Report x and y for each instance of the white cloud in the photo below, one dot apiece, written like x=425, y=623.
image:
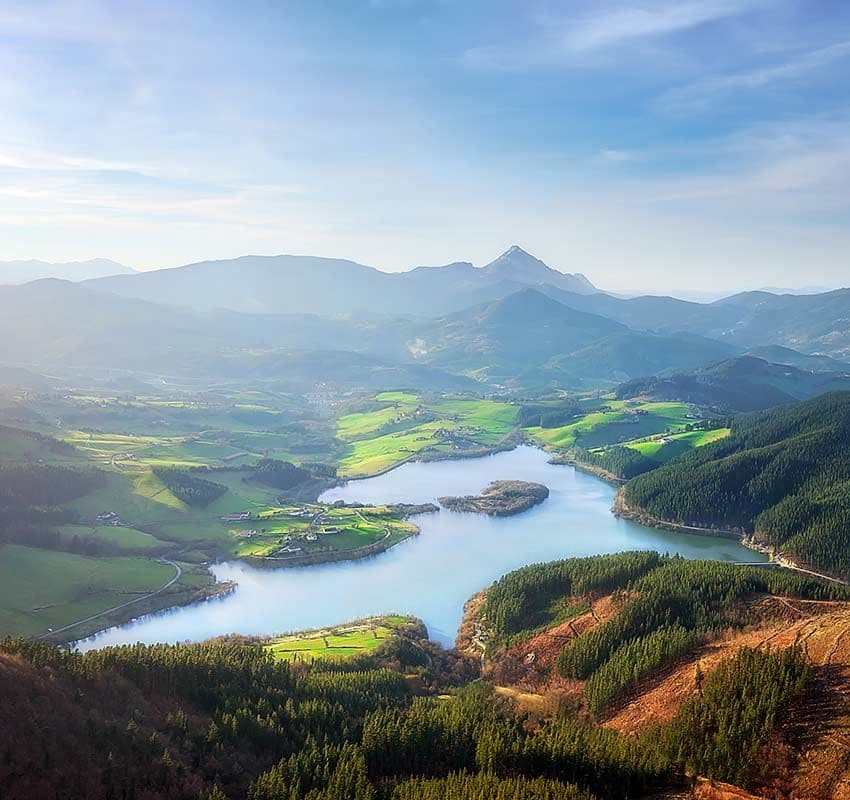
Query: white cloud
x=611, y=27
x=42, y=161
x=702, y=91
x=588, y=37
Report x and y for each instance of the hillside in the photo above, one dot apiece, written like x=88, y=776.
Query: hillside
x=812, y=324
x=782, y=476
x=532, y=340
x=578, y=718
x=308, y=284
x=745, y=383
x=681, y=653
x=524, y=339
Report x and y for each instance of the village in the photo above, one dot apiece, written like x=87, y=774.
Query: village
x=294, y=530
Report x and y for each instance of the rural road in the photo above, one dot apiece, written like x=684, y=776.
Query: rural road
x=177, y=574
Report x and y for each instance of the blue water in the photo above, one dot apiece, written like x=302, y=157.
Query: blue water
x=433, y=574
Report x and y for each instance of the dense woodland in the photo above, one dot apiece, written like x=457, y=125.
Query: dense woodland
x=224, y=720
x=782, y=474
x=31, y=500
x=547, y=415
x=665, y=605
x=188, y=486
x=279, y=474
x=622, y=462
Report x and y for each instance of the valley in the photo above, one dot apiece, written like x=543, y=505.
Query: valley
x=526, y=523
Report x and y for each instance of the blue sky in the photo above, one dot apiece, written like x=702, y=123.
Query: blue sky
x=689, y=144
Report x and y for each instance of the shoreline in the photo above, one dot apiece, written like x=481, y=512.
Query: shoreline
x=431, y=457
x=622, y=510
x=314, y=559
x=589, y=469
x=215, y=591
x=619, y=510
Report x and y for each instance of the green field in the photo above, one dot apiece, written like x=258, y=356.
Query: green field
x=664, y=448
x=118, y=536
x=284, y=532
x=342, y=641
x=42, y=589
x=409, y=427
x=617, y=421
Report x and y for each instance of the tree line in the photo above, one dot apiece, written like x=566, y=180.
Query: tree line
x=782, y=475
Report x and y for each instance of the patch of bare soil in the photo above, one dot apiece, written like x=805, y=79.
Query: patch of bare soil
x=781, y=623
x=809, y=758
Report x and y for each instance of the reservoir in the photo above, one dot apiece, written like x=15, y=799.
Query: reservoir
x=433, y=574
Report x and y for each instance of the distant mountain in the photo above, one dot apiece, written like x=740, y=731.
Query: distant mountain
x=25, y=271
x=785, y=355
x=529, y=339
x=331, y=287
x=813, y=324
x=518, y=266
x=526, y=339
x=745, y=383
x=70, y=326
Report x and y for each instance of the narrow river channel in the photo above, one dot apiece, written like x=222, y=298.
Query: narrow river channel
x=433, y=574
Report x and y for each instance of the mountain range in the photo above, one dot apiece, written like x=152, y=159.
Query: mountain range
x=513, y=323
x=289, y=284
x=744, y=383
x=32, y=270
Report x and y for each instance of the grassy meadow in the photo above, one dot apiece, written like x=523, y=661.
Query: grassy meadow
x=339, y=642
x=405, y=426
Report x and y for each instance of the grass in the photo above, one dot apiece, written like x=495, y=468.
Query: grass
x=619, y=421
x=336, y=529
x=42, y=589
x=663, y=449
x=371, y=456
x=342, y=641
x=119, y=536
x=382, y=438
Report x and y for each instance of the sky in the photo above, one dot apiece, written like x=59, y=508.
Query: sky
x=658, y=144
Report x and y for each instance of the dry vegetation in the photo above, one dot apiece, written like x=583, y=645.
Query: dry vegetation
x=809, y=756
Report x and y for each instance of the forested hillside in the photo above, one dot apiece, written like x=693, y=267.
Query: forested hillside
x=782, y=475
x=745, y=383
x=225, y=720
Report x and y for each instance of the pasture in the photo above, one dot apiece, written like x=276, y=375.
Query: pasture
x=615, y=422
x=43, y=589
x=342, y=641
x=409, y=426
x=664, y=448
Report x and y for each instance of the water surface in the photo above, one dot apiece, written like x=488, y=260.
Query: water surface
x=433, y=574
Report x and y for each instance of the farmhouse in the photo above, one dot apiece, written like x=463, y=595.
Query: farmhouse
x=237, y=517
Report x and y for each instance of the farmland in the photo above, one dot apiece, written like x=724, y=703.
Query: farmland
x=293, y=532
x=663, y=448
x=341, y=641
x=610, y=421
x=41, y=590
x=401, y=426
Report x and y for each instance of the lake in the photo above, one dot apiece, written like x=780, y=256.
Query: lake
x=433, y=574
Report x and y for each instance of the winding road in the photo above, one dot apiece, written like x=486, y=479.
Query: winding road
x=178, y=572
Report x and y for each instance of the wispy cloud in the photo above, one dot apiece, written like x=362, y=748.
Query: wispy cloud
x=41, y=161
x=611, y=27
x=703, y=91
x=572, y=36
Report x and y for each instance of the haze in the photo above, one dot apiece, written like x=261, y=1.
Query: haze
x=699, y=145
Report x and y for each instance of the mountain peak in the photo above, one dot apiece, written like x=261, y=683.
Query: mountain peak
x=516, y=264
